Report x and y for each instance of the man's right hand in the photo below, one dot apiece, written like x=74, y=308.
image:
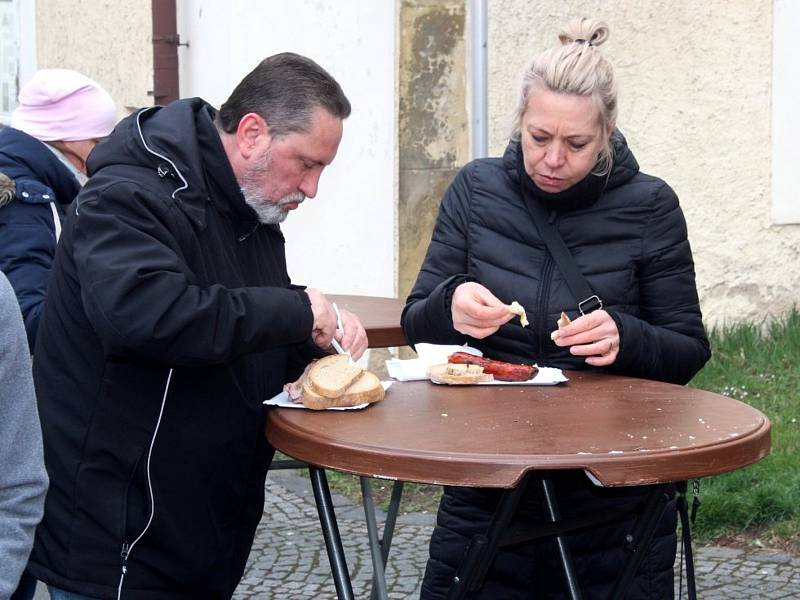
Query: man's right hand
x=324, y=318
x=476, y=311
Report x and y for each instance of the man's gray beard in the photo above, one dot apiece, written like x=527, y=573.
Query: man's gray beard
x=267, y=210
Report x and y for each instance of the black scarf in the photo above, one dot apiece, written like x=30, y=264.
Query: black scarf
x=581, y=195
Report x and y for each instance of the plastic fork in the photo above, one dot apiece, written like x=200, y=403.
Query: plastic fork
x=339, y=327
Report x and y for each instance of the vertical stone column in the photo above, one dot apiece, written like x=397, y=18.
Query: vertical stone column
x=433, y=123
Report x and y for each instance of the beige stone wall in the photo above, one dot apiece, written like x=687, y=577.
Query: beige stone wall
x=695, y=93
x=433, y=137
x=108, y=41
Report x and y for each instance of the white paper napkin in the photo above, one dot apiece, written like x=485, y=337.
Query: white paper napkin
x=416, y=369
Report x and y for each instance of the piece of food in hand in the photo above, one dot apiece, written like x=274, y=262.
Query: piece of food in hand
x=459, y=374
x=517, y=309
x=563, y=321
x=501, y=371
x=333, y=382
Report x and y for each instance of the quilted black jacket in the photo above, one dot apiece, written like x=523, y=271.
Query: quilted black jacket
x=631, y=245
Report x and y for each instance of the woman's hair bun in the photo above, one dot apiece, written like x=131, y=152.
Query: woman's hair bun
x=584, y=30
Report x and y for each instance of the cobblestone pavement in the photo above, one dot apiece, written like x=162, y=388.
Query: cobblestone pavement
x=288, y=560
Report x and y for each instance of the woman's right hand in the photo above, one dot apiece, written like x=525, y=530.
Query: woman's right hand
x=476, y=311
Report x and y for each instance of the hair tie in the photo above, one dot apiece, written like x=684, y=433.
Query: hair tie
x=583, y=41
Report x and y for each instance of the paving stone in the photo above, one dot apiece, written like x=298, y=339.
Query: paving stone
x=289, y=561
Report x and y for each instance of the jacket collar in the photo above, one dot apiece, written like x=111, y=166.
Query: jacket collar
x=25, y=159
x=623, y=169
x=176, y=141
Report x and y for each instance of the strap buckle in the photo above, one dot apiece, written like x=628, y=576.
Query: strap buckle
x=596, y=298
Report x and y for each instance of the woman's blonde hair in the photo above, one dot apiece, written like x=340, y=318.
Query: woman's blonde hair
x=576, y=67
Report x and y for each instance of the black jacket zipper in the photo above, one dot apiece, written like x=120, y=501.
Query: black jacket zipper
x=543, y=303
x=544, y=297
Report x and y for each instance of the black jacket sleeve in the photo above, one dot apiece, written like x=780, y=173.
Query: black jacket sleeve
x=144, y=301
x=427, y=316
x=667, y=341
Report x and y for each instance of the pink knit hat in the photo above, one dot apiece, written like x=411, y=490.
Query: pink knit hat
x=63, y=105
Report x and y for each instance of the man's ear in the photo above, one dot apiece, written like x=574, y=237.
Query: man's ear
x=252, y=134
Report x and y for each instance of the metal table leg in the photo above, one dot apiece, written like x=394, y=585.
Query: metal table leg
x=563, y=550
x=482, y=548
x=391, y=519
x=330, y=531
x=388, y=531
x=378, y=564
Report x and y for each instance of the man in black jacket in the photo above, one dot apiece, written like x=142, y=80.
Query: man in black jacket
x=170, y=319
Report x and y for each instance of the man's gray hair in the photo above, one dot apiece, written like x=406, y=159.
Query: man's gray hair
x=285, y=90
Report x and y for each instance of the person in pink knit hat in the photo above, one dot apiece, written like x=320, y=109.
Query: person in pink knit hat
x=61, y=116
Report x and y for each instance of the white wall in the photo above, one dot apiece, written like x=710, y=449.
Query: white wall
x=17, y=52
x=696, y=105
x=342, y=241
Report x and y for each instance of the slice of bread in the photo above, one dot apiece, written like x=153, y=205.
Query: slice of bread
x=331, y=375
x=449, y=373
x=366, y=389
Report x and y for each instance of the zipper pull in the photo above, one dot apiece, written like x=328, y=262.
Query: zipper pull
x=551, y=218
x=126, y=549
x=243, y=237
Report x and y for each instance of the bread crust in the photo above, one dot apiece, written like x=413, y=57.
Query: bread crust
x=331, y=375
x=367, y=389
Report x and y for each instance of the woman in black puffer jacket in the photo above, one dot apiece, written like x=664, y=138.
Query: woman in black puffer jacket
x=628, y=237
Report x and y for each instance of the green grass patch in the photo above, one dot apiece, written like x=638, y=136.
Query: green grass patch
x=416, y=497
x=758, y=365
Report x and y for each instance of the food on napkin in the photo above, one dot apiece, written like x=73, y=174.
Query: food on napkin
x=563, y=321
x=498, y=369
x=416, y=369
x=517, y=309
x=333, y=381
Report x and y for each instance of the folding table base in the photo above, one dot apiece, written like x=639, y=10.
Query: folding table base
x=482, y=549
x=333, y=541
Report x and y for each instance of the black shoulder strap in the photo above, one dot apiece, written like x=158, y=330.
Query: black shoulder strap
x=681, y=503
x=586, y=298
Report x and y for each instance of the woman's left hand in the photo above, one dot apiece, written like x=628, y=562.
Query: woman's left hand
x=594, y=336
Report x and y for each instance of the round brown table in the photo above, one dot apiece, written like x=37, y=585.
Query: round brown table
x=619, y=430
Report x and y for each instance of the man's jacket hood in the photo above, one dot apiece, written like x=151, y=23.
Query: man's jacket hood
x=162, y=138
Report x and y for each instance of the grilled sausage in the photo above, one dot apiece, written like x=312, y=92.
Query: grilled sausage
x=502, y=371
